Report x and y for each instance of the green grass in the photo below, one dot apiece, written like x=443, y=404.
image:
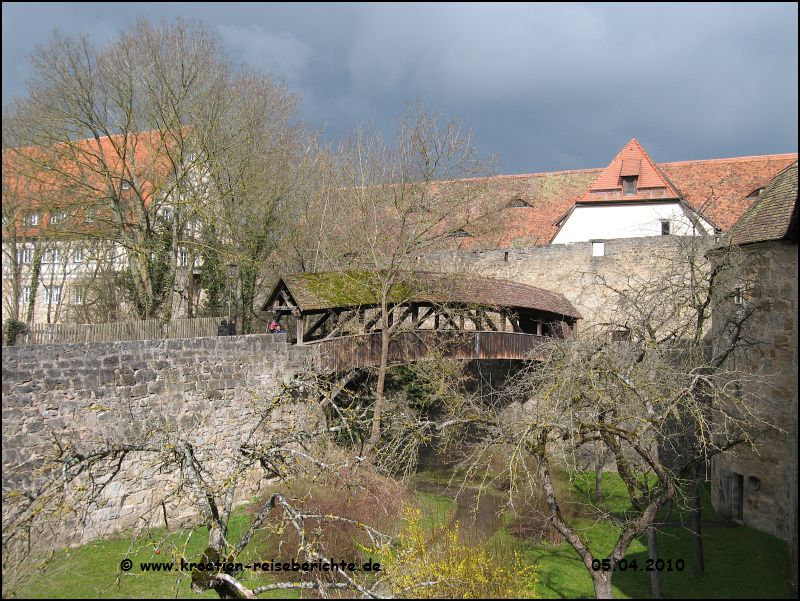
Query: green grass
x=740, y=562
x=92, y=571
x=436, y=510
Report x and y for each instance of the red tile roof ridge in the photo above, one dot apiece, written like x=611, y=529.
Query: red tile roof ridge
x=742, y=159
x=776, y=157
x=513, y=175
x=544, y=173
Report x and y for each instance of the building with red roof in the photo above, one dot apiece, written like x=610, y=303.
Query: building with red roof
x=633, y=196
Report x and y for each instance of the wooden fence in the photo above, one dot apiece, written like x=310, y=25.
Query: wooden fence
x=147, y=329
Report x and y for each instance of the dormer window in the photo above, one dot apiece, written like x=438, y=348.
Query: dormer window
x=629, y=183
x=126, y=185
x=460, y=233
x=755, y=193
x=518, y=203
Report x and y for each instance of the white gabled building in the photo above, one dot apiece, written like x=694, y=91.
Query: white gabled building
x=630, y=198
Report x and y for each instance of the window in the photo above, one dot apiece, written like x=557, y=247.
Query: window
x=629, y=183
x=665, y=227
x=25, y=255
x=459, y=234
x=31, y=219
x=77, y=255
x=755, y=193
x=88, y=216
x=126, y=185
x=78, y=294
x=193, y=227
x=738, y=296
x=183, y=257
x=598, y=249
x=167, y=213
x=52, y=256
x=52, y=295
x=25, y=297
x=58, y=218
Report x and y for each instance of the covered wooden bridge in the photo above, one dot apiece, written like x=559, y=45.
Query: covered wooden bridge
x=461, y=316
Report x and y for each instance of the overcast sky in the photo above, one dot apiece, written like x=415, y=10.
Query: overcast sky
x=545, y=87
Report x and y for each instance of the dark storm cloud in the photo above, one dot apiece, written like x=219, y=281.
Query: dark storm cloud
x=545, y=86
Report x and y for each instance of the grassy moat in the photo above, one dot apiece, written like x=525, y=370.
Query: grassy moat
x=739, y=562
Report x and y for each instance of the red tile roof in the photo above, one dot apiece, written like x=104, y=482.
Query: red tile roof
x=66, y=176
x=549, y=196
x=718, y=189
x=631, y=160
x=773, y=216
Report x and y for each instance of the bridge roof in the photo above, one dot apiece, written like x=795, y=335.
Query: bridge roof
x=328, y=290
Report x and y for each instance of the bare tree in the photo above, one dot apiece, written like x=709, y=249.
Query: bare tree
x=278, y=439
x=259, y=165
x=383, y=206
x=652, y=388
x=158, y=137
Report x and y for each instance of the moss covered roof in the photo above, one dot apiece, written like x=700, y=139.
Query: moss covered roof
x=328, y=290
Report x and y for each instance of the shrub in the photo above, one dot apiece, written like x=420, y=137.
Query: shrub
x=437, y=566
x=13, y=329
x=360, y=495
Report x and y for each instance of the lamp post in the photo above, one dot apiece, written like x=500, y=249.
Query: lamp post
x=231, y=274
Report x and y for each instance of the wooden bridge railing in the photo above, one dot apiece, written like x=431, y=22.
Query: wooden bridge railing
x=350, y=352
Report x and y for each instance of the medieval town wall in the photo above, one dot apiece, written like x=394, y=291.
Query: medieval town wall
x=573, y=270
x=208, y=391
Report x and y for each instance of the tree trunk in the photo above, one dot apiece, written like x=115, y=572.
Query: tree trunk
x=598, y=475
x=655, y=575
x=36, y=269
x=376, y=417
x=602, y=585
x=668, y=511
x=698, y=565
x=600, y=579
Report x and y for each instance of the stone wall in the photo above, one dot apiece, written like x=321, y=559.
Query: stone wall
x=766, y=478
x=208, y=391
x=570, y=269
